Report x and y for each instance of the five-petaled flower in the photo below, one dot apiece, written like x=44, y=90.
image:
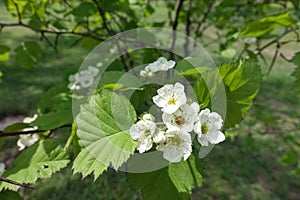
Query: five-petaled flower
x=208, y=128
x=170, y=97
x=177, y=146
x=142, y=132
x=161, y=64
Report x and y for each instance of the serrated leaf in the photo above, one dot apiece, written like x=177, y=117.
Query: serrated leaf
x=28, y=54
x=241, y=82
x=40, y=160
x=267, y=24
x=4, y=53
x=102, y=127
x=174, y=182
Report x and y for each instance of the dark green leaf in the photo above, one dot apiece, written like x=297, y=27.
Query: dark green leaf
x=85, y=9
x=9, y=195
x=16, y=127
x=170, y=183
x=28, y=54
x=53, y=120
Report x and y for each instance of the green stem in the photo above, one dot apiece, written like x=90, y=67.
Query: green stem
x=73, y=132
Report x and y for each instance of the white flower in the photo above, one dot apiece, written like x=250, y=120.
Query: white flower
x=142, y=132
x=159, y=137
x=29, y=120
x=184, y=118
x=74, y=82
x=161, y=64
x=250, y=40
x=208, y=128
x=26, y=140
x=83, y=79
x=177, y=146
x=93, y=70
x=2, y=167
x=170, y=97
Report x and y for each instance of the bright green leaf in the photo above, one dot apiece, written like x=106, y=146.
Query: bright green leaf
x=267, y=24
x=103, y=129
x=4, y=53
x=40, y=160
x=28, y=54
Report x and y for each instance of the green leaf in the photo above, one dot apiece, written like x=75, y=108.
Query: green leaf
x=228, y=53
x=28, y=54
x=296, y=73
x=56, y=97
x=16, y=127
x=267, y=24
x=40, y=160
x=85, y=9
x=241, y=82
x=9, y=195
x=170, y=183
x=291, y=158
x=53, y=120
x=1, y=74
x=103, y=129
x=4, y=53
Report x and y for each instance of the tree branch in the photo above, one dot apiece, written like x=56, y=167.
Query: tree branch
x=15, y=183
x=175, y=24
x=110, y=32
x=20, y=24
x=187, y=28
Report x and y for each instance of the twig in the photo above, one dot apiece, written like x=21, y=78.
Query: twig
x=274, y=58
x=2, y=25
x=275, y=40
x=200, y=27
x=7, y=134
x=187, y=28
x=174, y=25
x=15, y=183
x=110, y=31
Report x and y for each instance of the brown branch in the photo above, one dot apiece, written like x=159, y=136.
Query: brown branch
x=274, y=41
x=15, y=183
x=2, y=25
x=187, y=28
x=274, y=58
x=175, y=24
x=7, y=134
x=200, y=27
x=110, y=32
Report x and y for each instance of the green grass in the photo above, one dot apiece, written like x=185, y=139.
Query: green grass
x=246, y=166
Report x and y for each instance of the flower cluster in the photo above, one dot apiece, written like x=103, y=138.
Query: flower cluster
x=173, y=136
x=27, y=140
x=83, y=79
x=161, y=64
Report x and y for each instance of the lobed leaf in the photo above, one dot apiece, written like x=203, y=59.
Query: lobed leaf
x=103, y=129
x=40, y=160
